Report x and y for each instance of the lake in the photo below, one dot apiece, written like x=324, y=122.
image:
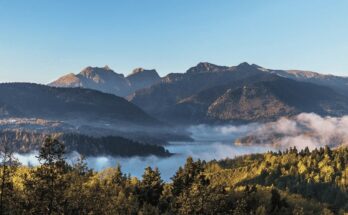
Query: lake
x=210, y=142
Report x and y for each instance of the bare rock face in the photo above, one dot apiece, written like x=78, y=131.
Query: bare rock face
x=106, y=80
x=142, y=78
x=98, y=78
x=206, y=67
x=69, y=80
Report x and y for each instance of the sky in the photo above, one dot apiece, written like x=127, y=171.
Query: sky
x=41, y=40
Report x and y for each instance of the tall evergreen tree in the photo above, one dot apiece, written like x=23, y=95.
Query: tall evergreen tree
x=47, y=183
x=8, y=167
x=151, y=186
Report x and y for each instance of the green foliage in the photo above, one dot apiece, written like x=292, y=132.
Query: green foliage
x=151, y=187
x=23, y=141
x=320, y=175
x=8, y=167
x=290, y=182
x=184, y=177
x=46, y=185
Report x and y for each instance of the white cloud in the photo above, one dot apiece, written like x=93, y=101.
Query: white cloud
x=305, y=129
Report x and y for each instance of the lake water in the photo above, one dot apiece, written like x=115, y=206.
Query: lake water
x=210, y=143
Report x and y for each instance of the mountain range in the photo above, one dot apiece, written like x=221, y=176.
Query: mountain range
x=205, y=93
x=147, y=109
x=36, y=108
x=338, y=83
x=106, y=80
x=209, y=93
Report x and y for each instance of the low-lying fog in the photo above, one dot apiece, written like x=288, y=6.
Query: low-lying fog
x=210, y=143
x=217, y=142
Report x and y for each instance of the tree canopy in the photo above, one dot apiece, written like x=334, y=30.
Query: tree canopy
x=289, y=182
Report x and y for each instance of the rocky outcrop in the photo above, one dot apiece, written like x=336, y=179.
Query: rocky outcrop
x=106, y=80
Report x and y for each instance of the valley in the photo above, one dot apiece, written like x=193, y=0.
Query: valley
x=209, y=143
x=179, y=107
x=233, y=127
x=145, y=113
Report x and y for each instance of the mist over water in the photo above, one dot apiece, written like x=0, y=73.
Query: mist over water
x=304, y=130
x=217, y=142
x=211, y=142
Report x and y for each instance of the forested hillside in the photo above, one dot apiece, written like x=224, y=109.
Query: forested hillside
x=27, y=100
x=209, y=93
x=289, y=182
x=26, y=142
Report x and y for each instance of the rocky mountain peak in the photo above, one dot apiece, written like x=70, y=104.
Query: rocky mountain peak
x=106, y=67
x=137, y=70
x=141, y=72
x=245, y=65
x=205, y=67
x=96, y=70
x=106, y=80
x=142, y=78
x=100, y=73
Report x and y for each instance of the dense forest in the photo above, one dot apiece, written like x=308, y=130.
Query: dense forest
x=288, y=182
x=27, y=141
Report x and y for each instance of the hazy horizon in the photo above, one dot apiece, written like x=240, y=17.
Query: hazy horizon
x=159, y=72
x=52, y=38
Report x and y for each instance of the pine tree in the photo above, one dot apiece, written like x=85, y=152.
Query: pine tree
x=118, y=177
x=76, y=191
x=184, y=177
x=47, y=183
x=151, y=186
x=8, y=168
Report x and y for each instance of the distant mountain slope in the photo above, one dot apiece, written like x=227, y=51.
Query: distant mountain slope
x=274, y=98
x=209, y=92
x=106, y=80
x=340, y=84
x=39, y=101
x=141, y=78
x=177, y=86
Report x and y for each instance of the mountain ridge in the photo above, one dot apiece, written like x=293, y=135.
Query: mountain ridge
x=191, y=96
x=107, y=80
x=136, y=80
x=41, y=101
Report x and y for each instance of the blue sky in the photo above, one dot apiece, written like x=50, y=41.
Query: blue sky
x=41, y=40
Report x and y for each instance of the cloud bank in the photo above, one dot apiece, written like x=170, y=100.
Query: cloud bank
x=304, y=130
x=216, y=142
